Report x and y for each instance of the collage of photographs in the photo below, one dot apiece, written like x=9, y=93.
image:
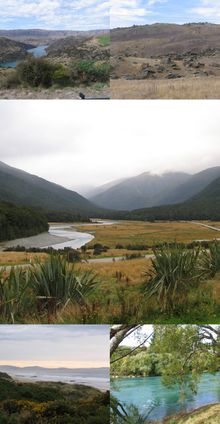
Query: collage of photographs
x=109, y=212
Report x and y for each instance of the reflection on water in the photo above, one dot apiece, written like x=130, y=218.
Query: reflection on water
x=143, y=392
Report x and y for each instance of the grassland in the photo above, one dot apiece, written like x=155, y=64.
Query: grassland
x=104, y=40
x=118, y=295
x=208, y=414
x=190, y=88
x=147, y=233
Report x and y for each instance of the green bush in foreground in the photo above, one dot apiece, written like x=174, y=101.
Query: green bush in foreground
x=91, y=71
x=47, y=287
x=174, y=272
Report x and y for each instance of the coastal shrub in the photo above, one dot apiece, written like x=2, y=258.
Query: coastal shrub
x=173, y=273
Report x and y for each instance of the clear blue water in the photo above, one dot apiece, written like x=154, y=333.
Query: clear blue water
x=146, y=391
x=38, y=51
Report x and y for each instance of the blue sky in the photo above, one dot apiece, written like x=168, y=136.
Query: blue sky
x=54, y=14
x=51, y=346
x=130, y=12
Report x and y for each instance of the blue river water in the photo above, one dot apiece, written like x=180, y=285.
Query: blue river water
x=38, y=51
x=147, y=391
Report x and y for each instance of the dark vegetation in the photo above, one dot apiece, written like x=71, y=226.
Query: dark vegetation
x=41, y=72
x=46, y=403
x=203, y=206
x=25, y=189
x=17, y=221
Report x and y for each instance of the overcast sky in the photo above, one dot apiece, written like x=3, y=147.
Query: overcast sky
x=77, y=143
x=51, y=346
x=54, y=14
x=139, y=12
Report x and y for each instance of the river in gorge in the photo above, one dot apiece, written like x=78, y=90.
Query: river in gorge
x=38, y=51
x=146, y=391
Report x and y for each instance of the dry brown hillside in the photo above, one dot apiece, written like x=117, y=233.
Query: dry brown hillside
x=166, y=52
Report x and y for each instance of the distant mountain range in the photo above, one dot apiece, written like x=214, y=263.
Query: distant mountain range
x=14, y=369
x=22, y=188
x=147, y=190
x=204, y=205
x=173, y=195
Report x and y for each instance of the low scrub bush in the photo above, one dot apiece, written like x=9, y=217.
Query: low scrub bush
x=36, y=72
x=88, y=71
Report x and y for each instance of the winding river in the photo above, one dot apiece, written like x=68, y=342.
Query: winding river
x=38, y=51
x=76, y=238
x=147, y=391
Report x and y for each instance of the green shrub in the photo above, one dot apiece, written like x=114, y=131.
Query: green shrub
x=36, y=72
x=90, y=71
x=210, y=260
x=61, y=76
x=174, y=272
x=55, y=284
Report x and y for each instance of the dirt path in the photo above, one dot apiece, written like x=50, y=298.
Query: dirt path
x=64, y=93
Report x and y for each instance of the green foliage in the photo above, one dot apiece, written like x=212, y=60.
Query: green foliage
x=55, y=284
x=46, y=403
x=185, y=356
x=173, y=273
x=210, y=260
x=14, y=294
x=124, y=414
x=104, y=40
x=36, y=72
x=61, y=76
x=18, y=221
x=90, y=71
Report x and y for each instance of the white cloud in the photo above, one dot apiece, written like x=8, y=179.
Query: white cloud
x=209, y=10
x=62, y=13
x=124, y=12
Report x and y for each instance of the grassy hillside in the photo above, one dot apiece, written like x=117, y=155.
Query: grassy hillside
x=87, y=48
x=22, y=188
x=51, y=403
x=209, y=414
x=162, y=39
x=18, y=221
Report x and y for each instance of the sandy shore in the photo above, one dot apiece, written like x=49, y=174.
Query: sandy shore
x=41, y=240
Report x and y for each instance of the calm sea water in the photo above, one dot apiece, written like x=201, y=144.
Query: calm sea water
x=143, y=392
x=98, y=378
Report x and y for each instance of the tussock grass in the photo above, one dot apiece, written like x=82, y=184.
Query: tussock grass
x=189, y=88
x=139, y=232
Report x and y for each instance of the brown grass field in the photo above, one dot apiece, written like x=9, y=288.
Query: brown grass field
x=139, y=232
x=189, y=88
x=208, y=414
x=14, y=258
